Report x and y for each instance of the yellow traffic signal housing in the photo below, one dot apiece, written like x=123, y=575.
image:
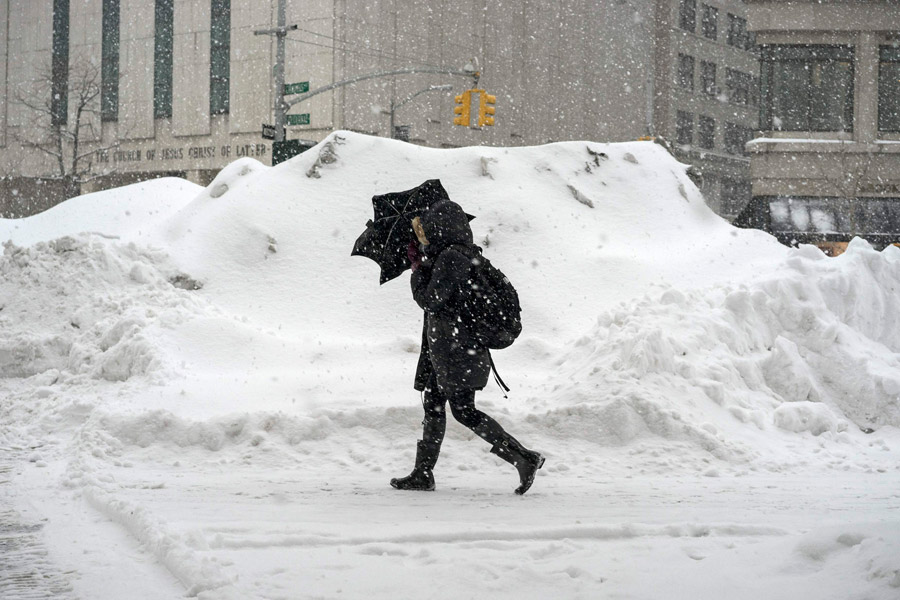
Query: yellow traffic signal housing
x=486, y=108
x=464, y=110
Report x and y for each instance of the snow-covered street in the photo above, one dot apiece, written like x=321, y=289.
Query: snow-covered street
x=246, y=522
x=204, y=394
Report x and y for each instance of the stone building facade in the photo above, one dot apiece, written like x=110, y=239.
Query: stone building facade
x=185, y=86
x=707, y=101
x=828, y=165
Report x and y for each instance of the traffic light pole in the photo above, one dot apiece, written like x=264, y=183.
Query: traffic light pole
x=464, y=73
x=432, y=88
x=280, y=32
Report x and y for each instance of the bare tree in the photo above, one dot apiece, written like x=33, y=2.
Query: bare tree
x=64, y=137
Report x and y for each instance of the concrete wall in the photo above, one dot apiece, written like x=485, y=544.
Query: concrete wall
x=190, y=97
x=252, y=57
x=136, y=70
x=822, y=17
x=566, y=70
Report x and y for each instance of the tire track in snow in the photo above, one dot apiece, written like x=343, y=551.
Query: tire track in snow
x=597, y=533
x=26, y=572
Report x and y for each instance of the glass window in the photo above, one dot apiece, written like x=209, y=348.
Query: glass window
x=809, y=215
x=874, y=215
x=737, y=32
x=162, y=73
x=780, y=214
x=706, y=132
x=687, y=15
x=807, y=88
x=708, y=78
x=686, y=71
x=684, y=128
x=220, y=57
x=738, y=85
x=109, y=70
x=736, y=138
x=822, y=219
x=709, y=23
x=736, y=194
x=59, y=66
x=889, y=89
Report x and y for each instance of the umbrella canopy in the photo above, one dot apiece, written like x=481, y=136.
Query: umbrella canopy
x=387, y=236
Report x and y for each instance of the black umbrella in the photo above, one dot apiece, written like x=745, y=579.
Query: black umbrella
x=386, y=238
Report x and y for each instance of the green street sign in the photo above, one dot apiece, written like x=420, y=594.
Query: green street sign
x=296, y=88
x=301, y=119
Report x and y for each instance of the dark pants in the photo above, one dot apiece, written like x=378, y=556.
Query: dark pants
x=462, y=405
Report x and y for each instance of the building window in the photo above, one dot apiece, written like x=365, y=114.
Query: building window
x=737, y=32
x=736, y=138
x=708, y=77
x=889, y=89
x=219, y=56
x=684, y=128
x=686, y=71
x=807, y=88
x=59, y=67
x=736, y=194
x=706, y=132
x=162, y=53
x=738, y=86
x=709, y=23
x=687, y=15
x=109, y=70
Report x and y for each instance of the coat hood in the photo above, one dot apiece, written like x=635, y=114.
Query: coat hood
x=445, y=224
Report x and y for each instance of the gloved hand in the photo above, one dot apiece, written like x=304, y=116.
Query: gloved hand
x=414, y=256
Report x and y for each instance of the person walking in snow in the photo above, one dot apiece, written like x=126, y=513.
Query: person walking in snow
x=452, y=365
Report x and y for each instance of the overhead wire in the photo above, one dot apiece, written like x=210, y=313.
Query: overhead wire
x=377, y=54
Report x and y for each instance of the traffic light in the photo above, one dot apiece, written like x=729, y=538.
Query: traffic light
x=485, y=108
x=464, y=109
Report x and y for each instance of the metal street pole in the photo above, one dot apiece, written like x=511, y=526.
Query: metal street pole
x=279, y=73
x=467, y=71
x=280, y=32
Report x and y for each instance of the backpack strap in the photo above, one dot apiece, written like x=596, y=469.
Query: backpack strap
x=503, y=386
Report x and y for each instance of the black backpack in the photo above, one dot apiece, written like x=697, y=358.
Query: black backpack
x=491, y=310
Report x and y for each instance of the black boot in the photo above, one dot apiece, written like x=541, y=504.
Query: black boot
x=421, y=479
x=526, y=462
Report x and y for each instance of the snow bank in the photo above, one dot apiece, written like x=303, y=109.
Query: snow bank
x=873, y=549
x=118, y=431
x=576, y=225
x=707, y=335
x=805, y=350
x=126, y=212
x=82, y=306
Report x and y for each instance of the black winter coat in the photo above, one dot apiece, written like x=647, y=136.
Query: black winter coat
x=449, y=352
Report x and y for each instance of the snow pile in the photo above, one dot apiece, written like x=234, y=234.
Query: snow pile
x=805, y=350
x=120, y=431
x=575, y=225
x=872, y=549
x=125, y=212
x=718, y=332
x=82, y=306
